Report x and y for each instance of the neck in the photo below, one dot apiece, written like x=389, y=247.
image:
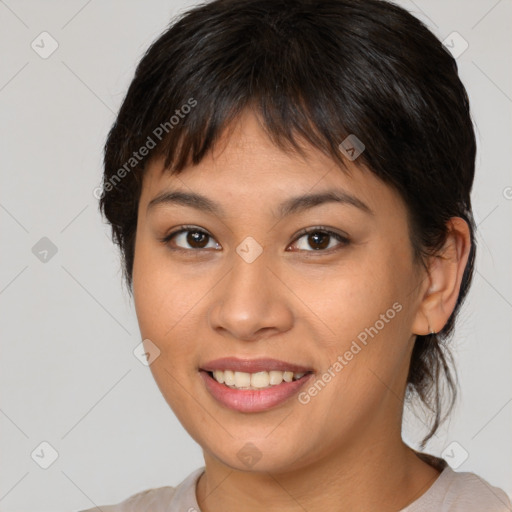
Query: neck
x=378, y=475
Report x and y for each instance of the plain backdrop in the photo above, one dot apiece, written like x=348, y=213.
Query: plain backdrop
x=69, y=378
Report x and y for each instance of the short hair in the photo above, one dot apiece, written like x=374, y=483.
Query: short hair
x=316, y=71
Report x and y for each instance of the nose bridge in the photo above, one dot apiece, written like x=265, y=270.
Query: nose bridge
x=248, y=301
x=249, y=275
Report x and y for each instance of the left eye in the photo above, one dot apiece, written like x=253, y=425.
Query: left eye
x=319, y=240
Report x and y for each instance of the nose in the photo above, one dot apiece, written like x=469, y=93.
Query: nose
x=250, y=303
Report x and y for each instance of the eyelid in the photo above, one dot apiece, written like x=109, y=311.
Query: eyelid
x=179, y=229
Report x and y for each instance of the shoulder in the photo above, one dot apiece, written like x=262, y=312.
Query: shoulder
x=467, y=492
x=461, y=492
x=455, y=491
x=150, y=499
x=161, y=499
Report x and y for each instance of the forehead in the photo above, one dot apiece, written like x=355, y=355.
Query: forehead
x=245, y=167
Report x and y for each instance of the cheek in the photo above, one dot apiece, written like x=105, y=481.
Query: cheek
x=164, y=306
x=162, y=294
x=365, y=308
x=354, y=296
x=169, y=301
x=148, y=286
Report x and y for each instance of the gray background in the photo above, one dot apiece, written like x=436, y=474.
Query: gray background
x=68, y=374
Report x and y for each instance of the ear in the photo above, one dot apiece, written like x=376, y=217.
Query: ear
x=445, y=271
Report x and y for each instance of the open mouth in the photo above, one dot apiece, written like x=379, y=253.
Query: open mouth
x=238, y=393
x=254, y=385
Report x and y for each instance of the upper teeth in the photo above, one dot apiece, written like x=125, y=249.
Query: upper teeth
x=254, y=380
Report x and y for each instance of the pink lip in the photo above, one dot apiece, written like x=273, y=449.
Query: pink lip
x=247, y=400
x=252, y=365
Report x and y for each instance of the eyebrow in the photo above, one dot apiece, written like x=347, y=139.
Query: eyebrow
x=290, y=206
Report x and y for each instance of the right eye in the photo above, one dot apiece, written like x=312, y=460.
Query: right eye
x=189, y=238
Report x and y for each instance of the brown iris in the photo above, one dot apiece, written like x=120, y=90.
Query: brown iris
x=197, y=239
x=318, y=240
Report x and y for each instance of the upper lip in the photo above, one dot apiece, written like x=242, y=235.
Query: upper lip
x=252, y=365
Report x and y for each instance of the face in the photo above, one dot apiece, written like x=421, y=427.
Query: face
x=323, y=286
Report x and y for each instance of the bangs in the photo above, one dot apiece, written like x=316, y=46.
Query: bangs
x=305, y=85
x=264, y=78
x=288, y=127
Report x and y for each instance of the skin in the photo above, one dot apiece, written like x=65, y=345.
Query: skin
x=343, y=449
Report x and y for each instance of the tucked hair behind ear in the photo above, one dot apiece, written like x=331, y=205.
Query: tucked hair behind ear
x=317, y=71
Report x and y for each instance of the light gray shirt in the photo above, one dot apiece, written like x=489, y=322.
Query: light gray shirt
x=451, y=492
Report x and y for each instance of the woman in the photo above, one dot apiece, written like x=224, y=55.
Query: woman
x=289, y=184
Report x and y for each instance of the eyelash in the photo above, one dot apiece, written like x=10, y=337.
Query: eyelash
x=344, y=240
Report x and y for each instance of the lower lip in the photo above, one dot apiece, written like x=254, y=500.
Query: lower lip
x=249, y=400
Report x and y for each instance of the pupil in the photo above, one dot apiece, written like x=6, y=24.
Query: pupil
x=318, y=240
x=196, y=239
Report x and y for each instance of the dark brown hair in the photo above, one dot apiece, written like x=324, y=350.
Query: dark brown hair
x=317, y=71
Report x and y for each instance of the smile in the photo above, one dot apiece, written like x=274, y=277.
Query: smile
x=253, y=385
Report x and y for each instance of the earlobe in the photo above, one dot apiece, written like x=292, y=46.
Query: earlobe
x=430, y=330
x=445, y=271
